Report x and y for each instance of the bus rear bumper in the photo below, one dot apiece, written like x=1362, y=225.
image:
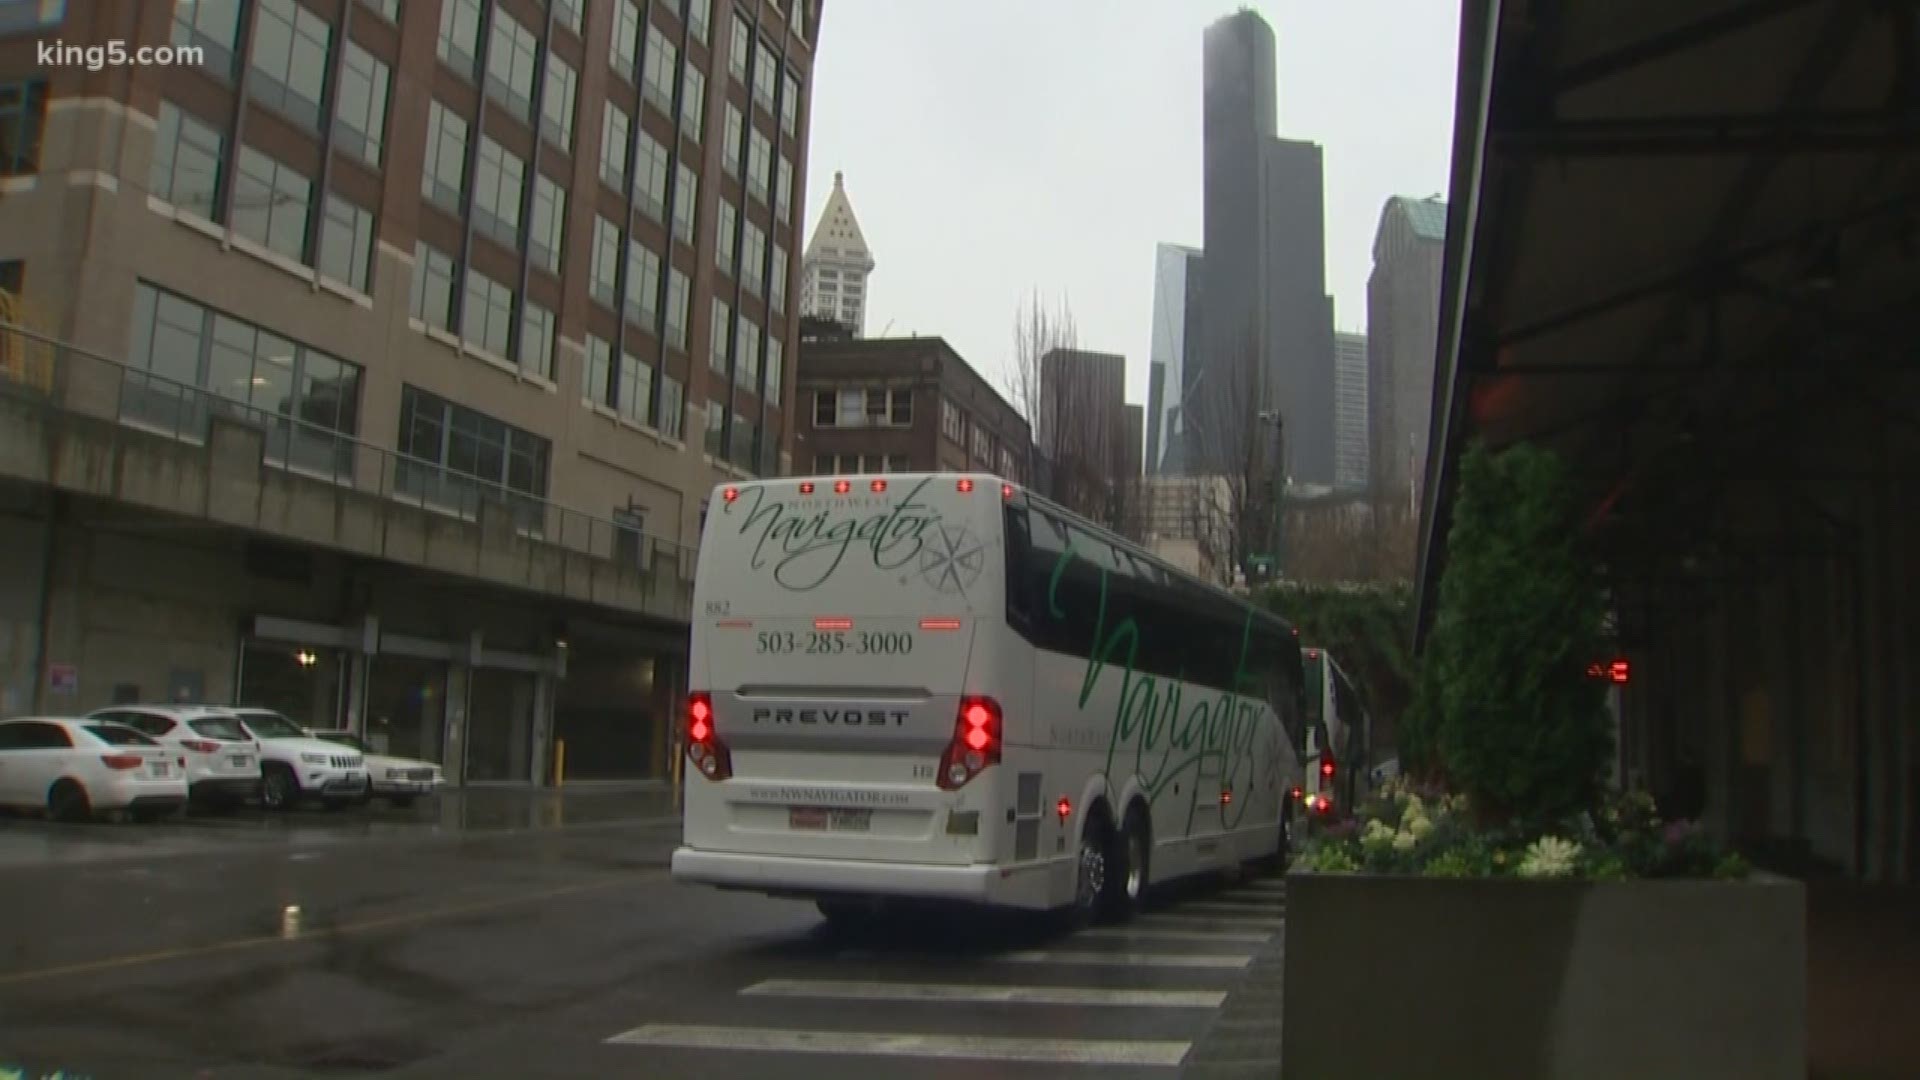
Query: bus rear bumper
x=787, y=875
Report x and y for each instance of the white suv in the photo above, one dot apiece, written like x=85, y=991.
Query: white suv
x=221, y=759
x=296, y=766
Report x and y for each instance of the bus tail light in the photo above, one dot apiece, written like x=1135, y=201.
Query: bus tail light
x=704, y=747
x=975, y=745
x=1326, y=766
x=1324, y=805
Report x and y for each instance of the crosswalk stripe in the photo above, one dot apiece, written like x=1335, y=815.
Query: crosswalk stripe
x=1221, y=922
x=1163, y=1052
x=952, y=992
x=1128, y=933
x=1121, y=959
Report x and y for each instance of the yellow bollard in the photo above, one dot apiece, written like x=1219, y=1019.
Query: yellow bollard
x=559, y=762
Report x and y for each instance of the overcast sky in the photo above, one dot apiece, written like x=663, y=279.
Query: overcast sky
x=995, y=147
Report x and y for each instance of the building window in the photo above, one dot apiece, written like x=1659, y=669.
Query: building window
x=778, y=299
x=783, y=190
x=716, y=428
x=723, y=244
x=650, y=176
x=213, y=26
x=431, y=300
x=310, y=401
x=459, y=455
x=1006, y=463
x=599, y=377
x=13, y=276
x=698, y=13
x=386, y=9
x=736, y=131
x=693, y=103
x=789, y=105
x=625, y=48
x=444, y=180
x=759, y=164
x=499, y=181
x=613, y=148
x=686, y=203
x=187, y=157
x=773, y=370
x=544, y=238
x=643, y=285
x=663, y=59
x=636, y=388
x=721, y=326
x=747, y=372
x=271, y=203
x=952, y=424
x=23, y=119
x=459, y=45
x=536, y=340
x=673, y=407
x=290, y=45
x=679, y=295
x=738, y=47
x=604, y=268
x=568, y=13
x=742, y=442
x=556, y=108
x=753, y=256
x=486, y=319
x=510, y=64
x=765, y=77
x=360, y=107
x=346, y=243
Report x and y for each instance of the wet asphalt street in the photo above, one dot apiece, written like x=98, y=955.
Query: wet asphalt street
x=544, y=939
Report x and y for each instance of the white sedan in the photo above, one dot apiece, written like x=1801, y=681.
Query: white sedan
x=398, y=780
x=76, y=768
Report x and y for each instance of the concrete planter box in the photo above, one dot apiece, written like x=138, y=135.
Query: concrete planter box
x=1547, y=980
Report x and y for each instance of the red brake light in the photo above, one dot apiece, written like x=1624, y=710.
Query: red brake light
x=1313, y=654
x=964, y=484
x=878, y=485
x=841, y=487
x=1226, y=797
x=1619, y=671
x=1326, y=804
x=201, y=746
x=806, y=487
x=1064, y=808
x=704, y=747
x=730, y=494
x=1298, y=794
x=975, y=744
x=122, y=761
x=1326, y=767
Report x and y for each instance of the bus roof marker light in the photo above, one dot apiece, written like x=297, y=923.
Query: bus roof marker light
x=841, y=487
x=806, y=487
x=878, y=485
x=730, y=494
x=1006, y=491
x=964, y=484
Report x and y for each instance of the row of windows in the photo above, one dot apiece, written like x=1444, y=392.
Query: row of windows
x=955, y=426
x=829, y=464
x=743, y=347
x=863, y=407
x=744, y=444
x=487, y=313
x=630, y=395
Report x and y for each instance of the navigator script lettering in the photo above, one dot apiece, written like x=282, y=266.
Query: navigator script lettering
x=807, y=545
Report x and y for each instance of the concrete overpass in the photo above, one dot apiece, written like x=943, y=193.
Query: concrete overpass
x=1684, y=251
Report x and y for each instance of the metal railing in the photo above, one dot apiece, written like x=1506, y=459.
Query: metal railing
x=76, y=381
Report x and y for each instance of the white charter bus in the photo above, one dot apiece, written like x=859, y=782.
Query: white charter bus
x=941, y=687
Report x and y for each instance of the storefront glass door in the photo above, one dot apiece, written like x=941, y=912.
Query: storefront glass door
x=500, y=725
x=304, y=683
x=407, y=707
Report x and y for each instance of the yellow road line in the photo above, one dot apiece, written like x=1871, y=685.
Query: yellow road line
x=384, y=922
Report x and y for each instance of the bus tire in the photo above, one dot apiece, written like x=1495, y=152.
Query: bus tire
x=1093, y=872
x=1134, y=867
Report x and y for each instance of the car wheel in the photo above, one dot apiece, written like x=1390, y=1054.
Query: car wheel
x=278, y=788
x=1136, y=846
x=67, y=801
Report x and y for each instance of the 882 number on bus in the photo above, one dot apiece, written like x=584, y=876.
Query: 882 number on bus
x=834, y=642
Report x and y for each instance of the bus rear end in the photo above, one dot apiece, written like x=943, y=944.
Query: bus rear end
x=847, y=711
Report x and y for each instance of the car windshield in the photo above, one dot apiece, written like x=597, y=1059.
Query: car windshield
x=345, y=738
x=270, y=725
x=116, y=735
x=222, y=728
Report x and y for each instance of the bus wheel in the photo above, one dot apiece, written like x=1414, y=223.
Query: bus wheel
x=1093, y=884
x=1137, y=850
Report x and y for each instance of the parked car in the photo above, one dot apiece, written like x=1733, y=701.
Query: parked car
x=398, y=780
x=75, y=768
x=296, y=766
x=221, y=759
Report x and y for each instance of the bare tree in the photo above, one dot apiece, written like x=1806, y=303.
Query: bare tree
x=1058, y=466
x=1349, y=541
x=1239, y=441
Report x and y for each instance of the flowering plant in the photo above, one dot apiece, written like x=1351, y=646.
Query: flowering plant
x=1408, y=828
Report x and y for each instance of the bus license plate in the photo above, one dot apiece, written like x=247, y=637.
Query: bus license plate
x=820, y=818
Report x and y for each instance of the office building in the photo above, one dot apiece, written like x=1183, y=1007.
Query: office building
x=406, y=342
x=1350, y=411
x=1081, y=427
x=1174, y=267
x=1403, y=327
x=833, y=277
x=879, y=405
